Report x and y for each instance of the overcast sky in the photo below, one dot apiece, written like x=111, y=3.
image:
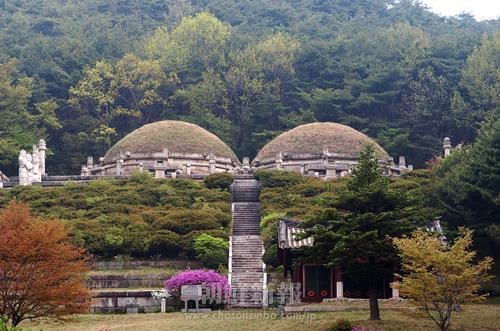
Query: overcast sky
x=480, y=9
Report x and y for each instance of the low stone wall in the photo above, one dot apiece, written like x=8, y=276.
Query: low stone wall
x=124, y=302
x=174, y=264
x=127, y=281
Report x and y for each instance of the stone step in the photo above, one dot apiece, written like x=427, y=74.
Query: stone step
x=255, y=255
x=244, y=259
x=244, y=256
x=240, y=261
x=237, y=232
x=244, y=232
x=247, y=242
x=247, y=272
x=254, y=247
x=252, y=274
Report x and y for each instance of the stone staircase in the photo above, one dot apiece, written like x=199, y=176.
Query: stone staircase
x=246, y=268
x=246, y=219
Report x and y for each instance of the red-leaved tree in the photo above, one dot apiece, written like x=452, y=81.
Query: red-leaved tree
x=41, y=273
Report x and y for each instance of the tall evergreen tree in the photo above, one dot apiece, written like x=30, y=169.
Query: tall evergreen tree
x=467, y=187
x=356, y=233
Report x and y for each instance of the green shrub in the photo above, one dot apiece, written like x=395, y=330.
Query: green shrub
x=141, y=177
x=341, y=325
x=186, y=226
x=213, y=260
x=269, y=228
x=221, y=181
x=312, y=187
x=165, y=243
x=211, y=251
x=4, y=325
x=206, y=243
x=277, y=178
x=271, y=256
x=184, y=184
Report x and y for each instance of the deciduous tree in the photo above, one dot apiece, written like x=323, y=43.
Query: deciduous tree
x=41, y=274
x=439, y=277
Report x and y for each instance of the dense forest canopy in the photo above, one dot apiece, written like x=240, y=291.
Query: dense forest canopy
x=82, y=74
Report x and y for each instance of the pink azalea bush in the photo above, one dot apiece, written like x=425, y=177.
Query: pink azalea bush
x=195, y=277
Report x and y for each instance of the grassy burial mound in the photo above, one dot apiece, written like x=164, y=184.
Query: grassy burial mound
x=176, y=136
x=314, y=138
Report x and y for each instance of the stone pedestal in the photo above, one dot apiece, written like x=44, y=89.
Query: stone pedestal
x=119, y=167
x=279, y=161
x=160, y=172
x=163, y=305
x=395, y=293
x=42, y=147
x=402, y=162
x=211, y=164
x=23, y=177
x=340, y=289
x=339, y=284
x=331, y=171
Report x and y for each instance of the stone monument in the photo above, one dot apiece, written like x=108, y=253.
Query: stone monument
x=36, y=173
x=32, y=166
x=25, y=168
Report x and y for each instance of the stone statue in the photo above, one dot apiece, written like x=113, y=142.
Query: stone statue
x=85, y=171
x=3, y=179
x=447, y=146
x=25, y=167
x=37, y=175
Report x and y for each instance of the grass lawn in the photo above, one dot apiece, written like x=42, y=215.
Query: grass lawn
x=474, y=317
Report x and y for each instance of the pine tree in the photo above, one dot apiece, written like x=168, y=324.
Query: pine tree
x=356, y=233
x=468, y=187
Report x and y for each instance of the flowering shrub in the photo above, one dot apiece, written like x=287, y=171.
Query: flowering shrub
x=195, y=277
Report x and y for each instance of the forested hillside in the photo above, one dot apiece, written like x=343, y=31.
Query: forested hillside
x=83, y=74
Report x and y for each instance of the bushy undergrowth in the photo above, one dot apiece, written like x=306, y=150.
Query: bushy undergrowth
x=140, y=216
x=211, y=251
x=145, y=217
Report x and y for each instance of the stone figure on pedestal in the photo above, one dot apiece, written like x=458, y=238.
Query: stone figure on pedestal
x=36, y=173
x=32, y=166
x=25, y=168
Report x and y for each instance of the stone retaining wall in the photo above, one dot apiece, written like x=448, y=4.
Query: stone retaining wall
x=127, y=281
x=174, y=264
x=124, y=302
